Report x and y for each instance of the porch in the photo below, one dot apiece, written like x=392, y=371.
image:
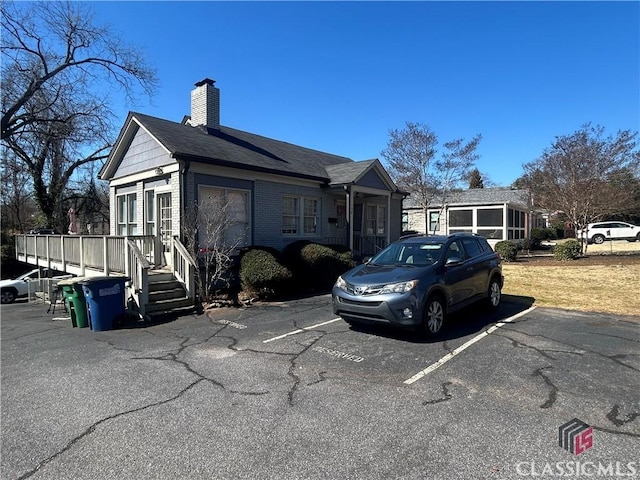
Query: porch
x=135, y=257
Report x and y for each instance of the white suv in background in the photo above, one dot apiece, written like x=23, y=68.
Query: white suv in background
x=601, y=231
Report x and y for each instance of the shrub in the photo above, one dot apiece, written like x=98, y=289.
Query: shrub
x=507, y=250
x=569, y=250
x=538, y=235
x=262, y=274
x=321, y=265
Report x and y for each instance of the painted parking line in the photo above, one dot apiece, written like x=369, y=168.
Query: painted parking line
x=301, y=330
x=464, y=346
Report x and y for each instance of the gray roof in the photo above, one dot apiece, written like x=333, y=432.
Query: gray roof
x=481, y=196
x=236, y=148
x=344, y=173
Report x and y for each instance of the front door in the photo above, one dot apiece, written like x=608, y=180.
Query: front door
x=165, y=231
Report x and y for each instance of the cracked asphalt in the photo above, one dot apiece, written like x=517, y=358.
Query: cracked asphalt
x=228, y=395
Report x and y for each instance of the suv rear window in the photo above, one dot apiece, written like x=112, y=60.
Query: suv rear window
x=472, y=247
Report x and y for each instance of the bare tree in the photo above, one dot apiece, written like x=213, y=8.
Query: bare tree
x=17, y=202
x=212, y=237
x=581, y=174
x=414, y=164
x=59, y=70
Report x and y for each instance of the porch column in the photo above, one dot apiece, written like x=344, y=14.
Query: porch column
x=388, y=229
x=349, y=214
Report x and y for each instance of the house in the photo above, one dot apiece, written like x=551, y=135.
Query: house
x=495, y=213
x=278, y=193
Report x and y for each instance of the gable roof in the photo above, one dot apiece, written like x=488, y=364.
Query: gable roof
x=226, y=146
x=482, y=196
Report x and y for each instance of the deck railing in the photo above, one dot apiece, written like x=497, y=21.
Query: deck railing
x=93, y=255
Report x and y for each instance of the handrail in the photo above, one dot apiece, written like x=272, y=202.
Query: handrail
x=138, y=271
x=184, y=267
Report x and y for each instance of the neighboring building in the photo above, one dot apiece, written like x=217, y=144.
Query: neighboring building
x=280, y=192
x=495, y=213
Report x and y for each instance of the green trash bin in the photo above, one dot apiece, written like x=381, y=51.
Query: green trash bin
x=76, y=303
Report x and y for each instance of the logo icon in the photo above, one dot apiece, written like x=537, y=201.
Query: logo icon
x=575, y=436
x=359, y=290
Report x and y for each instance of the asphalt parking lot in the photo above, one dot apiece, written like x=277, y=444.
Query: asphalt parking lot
x=287, y=391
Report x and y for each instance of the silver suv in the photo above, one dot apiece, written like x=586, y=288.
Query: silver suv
x=601, y=231
x=416, y=281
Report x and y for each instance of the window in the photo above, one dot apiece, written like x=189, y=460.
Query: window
x=461, y=218
x=454, y=251
x=376, y=221
x=290, y=215
x=490, y=217
x=434, y=222
x=405, y=221
x=493, y=233
x=293, y=216
x=127, y=214
x=310, y=217
x=237, y=204
x=471, y=247
x=239, y=212
x=517, y=221
x=149, y=205
x=341, y=213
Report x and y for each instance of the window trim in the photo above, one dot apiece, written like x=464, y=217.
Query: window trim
x=225, y=191
x=377, y=218
x=129, y=224
x=300, y=216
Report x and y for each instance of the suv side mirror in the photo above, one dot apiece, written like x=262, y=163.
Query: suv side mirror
x=453, y=261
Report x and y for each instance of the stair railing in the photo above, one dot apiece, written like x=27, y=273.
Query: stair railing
x=137, y=269
x=184, y=268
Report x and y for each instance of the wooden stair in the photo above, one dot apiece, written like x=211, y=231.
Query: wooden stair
x=166, y=294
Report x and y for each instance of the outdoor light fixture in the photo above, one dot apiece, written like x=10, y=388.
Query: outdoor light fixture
x=159, y=171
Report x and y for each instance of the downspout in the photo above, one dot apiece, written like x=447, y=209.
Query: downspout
x=183, y=193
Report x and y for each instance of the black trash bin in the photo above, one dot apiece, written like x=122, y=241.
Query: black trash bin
x=105, y=298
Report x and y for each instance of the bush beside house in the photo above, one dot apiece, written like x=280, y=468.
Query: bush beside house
x=266, y=273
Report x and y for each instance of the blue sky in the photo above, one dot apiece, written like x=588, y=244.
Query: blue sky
x=337, y=76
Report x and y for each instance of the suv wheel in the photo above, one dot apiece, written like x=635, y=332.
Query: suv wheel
x=7, y=296
x=434, y=315
x=494, y=294
x=598, y=239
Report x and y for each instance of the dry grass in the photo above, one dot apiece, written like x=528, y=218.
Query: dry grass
x=607, y=281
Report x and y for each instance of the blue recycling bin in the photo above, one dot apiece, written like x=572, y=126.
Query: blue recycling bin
x=105, y=298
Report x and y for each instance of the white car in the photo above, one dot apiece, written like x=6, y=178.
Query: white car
x=601, y=231
x=19, y=287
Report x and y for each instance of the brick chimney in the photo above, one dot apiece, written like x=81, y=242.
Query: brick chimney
x=205, y=104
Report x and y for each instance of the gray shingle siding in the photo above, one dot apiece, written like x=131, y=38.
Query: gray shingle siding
x=268, y=212
x=144, y=153
x=373, y=180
